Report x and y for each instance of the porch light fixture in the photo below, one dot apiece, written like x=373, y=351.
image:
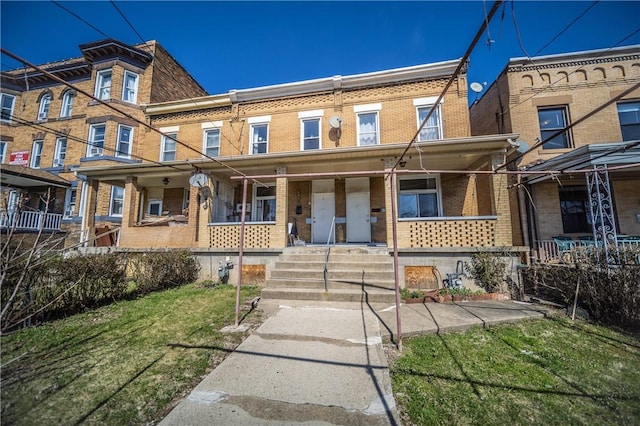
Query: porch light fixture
x=165, y=181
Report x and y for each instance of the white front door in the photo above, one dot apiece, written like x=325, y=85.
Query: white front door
x=324, y=209
x=358, y=217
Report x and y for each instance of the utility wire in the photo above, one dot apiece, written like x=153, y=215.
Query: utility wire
x=576, y=19
x=463, y=63
x=79, y=17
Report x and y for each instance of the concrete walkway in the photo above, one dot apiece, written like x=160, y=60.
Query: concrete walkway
x=323, y=364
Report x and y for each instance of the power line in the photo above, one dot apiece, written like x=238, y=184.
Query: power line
x=576, y=19
x=79, y=17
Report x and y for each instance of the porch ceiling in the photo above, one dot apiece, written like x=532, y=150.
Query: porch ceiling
x=454, y=154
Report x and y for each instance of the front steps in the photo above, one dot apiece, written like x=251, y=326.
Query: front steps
x=354, y=274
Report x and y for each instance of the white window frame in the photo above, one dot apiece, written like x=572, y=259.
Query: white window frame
x=6, y=111
x=254, y=139
x=3, y=151
x=45, y=105
x=119, y=142
x=60, y=152
x=308, y=117
x=103, y=91
x=437, y=191
x=426, y=104
x=70, y=202
x=93, y=149
x=368, y=109
x=206, y=128
x=36, y=154
x=113, y=200
x=257, y=204
x=130, y=94
x=154, y=202
x=67, y=104
x=163, y=148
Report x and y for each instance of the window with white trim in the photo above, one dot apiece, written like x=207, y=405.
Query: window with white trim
x=103, y=85
x=264, y=200
x=130, y=87
x=60, y=152
x=96, y=140
x=629, y=116
x=7, y=103
x=67, y=104
x=3, y=151
x=432, y=129
x=419, y=197
x=552, y=120
x=211, y=142
x=259, y=138
x=45, y=104
x=70, y=200
x=124, y=142
x=154, y=207
x=368, y=128
x=168, y=148
x=117, y=201
x=36, y=154
x=310, y=132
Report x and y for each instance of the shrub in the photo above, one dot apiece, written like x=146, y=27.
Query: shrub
x=488, y=270
x=162, y=270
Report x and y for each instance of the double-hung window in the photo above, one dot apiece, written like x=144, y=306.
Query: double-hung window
x=70, y=202
x=310, y=129
x=36, y=154
x=629, y=115
x=67, y=104
x=96, y=140
x=45, y=104
x=211, y=141
x=432, y=129
x=103, y=85
x=368, y=124
x=168, y=149
x=3, y=151
x=574, y=208
x=419, y=197
x=125, y=138
x=259, y=135
x=117, y=201
x=60, y=153
x=552, y=120
x=7, y=102
x=265, y=202
x=130, y=87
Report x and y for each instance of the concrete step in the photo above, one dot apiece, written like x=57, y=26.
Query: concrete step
x=338, y=257
x=336, y=249
x=318, y=283
x=337, y=295
x=347, y=265
x=346, y=275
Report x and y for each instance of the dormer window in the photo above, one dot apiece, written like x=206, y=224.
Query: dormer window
x=67, y=103
x=130, y=87
x=45, y=103
x=103, y=85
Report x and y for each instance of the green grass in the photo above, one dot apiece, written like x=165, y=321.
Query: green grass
x=534, y=372
x=121, y=364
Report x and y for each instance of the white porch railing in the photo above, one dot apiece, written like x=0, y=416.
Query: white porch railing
x=552, y=251
x=30, y=221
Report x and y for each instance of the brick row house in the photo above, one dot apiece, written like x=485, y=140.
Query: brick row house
x=49, y=131
x=317, y=155
x=538, y=97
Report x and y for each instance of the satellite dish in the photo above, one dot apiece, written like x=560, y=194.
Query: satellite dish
x=476, y=87
x=522, y=146
x=335, y=122
x=198, y=180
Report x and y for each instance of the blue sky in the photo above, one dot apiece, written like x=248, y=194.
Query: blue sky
x=240, y=44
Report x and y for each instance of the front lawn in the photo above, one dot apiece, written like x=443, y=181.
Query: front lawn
x=121, y=364
x=548, y=371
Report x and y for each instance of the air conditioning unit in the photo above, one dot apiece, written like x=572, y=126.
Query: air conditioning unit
x=58, y=162
x=42, y=116
x=95, y=151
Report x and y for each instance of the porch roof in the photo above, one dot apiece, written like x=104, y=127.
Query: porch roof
x=470, y=153
x=25, y=177
x=590, y=156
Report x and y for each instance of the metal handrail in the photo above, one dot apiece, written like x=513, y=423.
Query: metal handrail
x=326, y=258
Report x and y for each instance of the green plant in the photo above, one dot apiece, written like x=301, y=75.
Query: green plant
x=406, y=293
x=461, y=291
x=488, y=270
x=161, y=270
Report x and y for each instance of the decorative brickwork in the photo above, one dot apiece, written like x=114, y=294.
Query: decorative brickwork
x=228, y=236
x=447, y=233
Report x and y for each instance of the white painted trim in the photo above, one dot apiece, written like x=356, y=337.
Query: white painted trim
x=302, y=121
x=430, y=100
x=311, y=114
x=171, y=129
x=261, y=119
x=211, y=125
x=367, y=107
